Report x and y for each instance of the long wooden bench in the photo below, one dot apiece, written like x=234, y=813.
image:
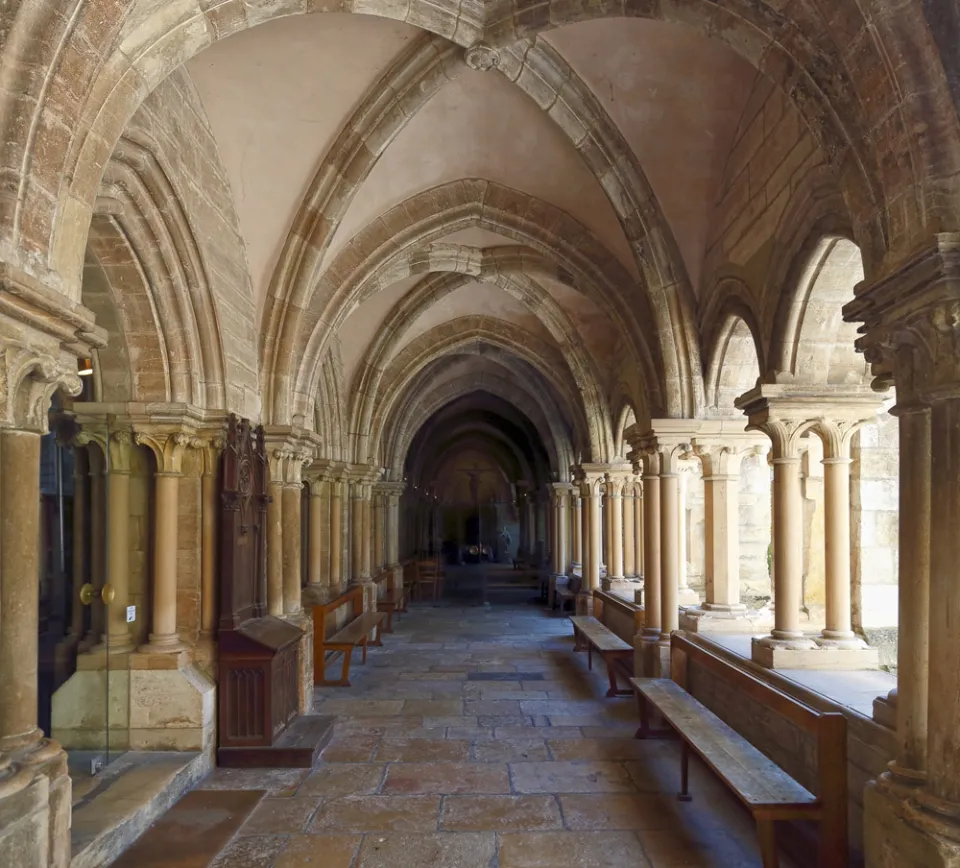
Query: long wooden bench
x=355, y=632
x=390, y=600
x=616, y=653
x=764, y=788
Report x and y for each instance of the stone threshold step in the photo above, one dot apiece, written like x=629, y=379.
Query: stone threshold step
x=133, y=791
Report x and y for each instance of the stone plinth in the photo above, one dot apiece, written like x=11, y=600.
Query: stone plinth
x=733, y=619
x=782, y=656
x=897, y=833
x=35, y=796
x=156, y=702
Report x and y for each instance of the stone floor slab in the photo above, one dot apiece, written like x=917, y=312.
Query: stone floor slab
x=500, y=813
x=572, y=850
x=422, y=750
x=616, y=811
x=319, y=851
x=446, y=778
x=443, y=850
x=570, y=777
x=378, y=814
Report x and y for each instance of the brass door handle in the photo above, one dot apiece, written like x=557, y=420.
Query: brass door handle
x=88, y=593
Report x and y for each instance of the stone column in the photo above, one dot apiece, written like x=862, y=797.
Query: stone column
x=120, y=447
x=210, y=513
x=277, y=459
x=787, y=552
x=19, y=571
x=651, y=544
x=318, y=567
x=393, y=524
x=378, y=535
x=98, y=539
x=577, y=528
x=590, y=480
x=356, y=531
x=913, y=651
x=613, y=513
x=168, y=449
x=838, y=632
x=669, y=541
x=292, y=522
x=366, y=534
x=722, y=609
x=686, y=596
x=336, y=535
x=638, y=526
x=81, y=478
x=629, y=541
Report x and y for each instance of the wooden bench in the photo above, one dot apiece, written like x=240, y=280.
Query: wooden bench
x=390, y=600
x=615, y=652
x=763, y=787
x=355, y=632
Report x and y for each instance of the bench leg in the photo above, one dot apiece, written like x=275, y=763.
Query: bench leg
x=589, y=656
x=684, y=794
x=612, y=675
x=378, y=636
x=390, y=620
x=767, y=834
x=364, y=646
x=345, y=675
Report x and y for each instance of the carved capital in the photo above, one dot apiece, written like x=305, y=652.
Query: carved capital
x=28, y=380
x=168, y=448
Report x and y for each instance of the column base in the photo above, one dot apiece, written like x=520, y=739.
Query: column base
x=575, y=569
x=898, y=831
x=803, y=653
x=35, y=796
x=157, y=702
x=164, y=643
x=316, y=595
x=649, y=654
x=711, y=618
x=885, y=710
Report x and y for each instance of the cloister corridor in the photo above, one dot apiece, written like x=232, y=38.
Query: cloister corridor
x=476, y=739
x=437, y=433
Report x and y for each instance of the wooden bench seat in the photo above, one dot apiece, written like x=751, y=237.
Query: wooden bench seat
x=616, y=653
x=355, y=632
x=764, y=788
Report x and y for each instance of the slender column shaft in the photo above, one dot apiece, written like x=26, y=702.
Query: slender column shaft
x=943, y=734
x=19, y=601
x=593, y=536
x=378, y=558
x=651, y=550
x=722, y=541
x=118, y=559
x=615, y=566
x=562, y=538
x=913, y=644
x=292, y=501
x=356, y=532
x=393, y=530
x=275, y=549
x=669, y=553
x=319, y=530
x=208, y=567
x=80, y=485
x=629, y=541
x=98, y=540
x=577, y=529
x=366, y=535
x=336, y=535
x=682, y=582
x=638, y=531
x=836, y=483
x=164, y=636
x=788, y=548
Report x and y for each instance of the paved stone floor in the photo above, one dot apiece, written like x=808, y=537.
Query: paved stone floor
x=476, y=738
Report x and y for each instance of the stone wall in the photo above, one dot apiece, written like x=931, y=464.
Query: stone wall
x=771, y=158
x=173, y=121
